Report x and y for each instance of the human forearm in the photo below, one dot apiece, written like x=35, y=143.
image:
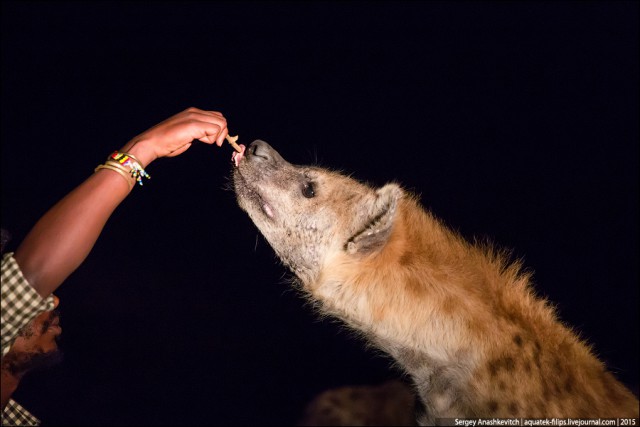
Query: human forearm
x=64, y=236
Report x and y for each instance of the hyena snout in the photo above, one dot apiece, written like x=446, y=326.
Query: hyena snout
x=262, y=153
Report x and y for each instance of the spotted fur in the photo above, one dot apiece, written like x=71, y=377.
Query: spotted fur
x=464, y=323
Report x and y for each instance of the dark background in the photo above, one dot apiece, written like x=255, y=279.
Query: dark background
x=513, y=120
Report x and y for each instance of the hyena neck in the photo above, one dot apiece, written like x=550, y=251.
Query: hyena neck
x=411, y=295
x=459, y=320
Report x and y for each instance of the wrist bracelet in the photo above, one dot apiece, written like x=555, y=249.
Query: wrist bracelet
x=116, y=169
x=134, y=158
x=128, y=160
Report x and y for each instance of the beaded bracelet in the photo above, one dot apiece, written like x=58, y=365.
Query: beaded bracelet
x=126, y=159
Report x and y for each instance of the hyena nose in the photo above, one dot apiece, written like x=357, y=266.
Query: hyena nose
x=260, y=151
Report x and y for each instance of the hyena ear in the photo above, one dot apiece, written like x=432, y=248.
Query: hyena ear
x=374, y=226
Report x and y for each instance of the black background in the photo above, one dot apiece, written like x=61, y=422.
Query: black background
x=513, y=120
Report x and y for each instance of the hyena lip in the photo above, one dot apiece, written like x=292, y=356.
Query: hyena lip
x=266, y=208
x=264, y=205
x=250, y=194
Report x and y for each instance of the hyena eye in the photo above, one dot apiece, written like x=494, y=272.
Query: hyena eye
x=308, y=190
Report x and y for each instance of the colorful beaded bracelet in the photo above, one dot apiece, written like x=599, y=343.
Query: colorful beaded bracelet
x=126, y=159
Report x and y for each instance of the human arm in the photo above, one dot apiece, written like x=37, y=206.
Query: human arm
x=61, y=240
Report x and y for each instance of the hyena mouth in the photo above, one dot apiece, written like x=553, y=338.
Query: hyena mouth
x=252, y=196
x=264, y=205
x=266, y=208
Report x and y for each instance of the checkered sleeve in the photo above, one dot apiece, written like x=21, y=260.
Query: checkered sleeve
x=20, y=302
x=15, y=415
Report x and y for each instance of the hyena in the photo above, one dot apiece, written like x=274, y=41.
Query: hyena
x=461, y=321
x=388, y=404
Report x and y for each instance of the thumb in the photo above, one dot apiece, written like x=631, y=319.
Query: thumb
x=180, y=150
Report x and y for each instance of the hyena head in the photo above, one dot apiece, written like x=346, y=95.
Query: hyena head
x=307, y=213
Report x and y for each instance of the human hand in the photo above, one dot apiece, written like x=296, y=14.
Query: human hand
x=175, y=135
